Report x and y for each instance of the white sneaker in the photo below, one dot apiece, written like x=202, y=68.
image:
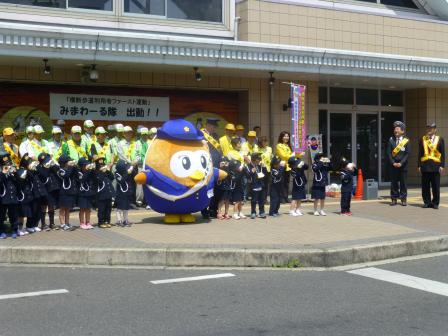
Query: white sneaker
x=23, y=233
x=242, y=216
x=316, y=213
x=235, y=216
x=37, y=229
x=148, y=207
x=322, y=213
x=299, y=213
x=293, y=213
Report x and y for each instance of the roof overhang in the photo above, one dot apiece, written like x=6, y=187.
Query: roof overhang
x=42, y=41
x=435, y=7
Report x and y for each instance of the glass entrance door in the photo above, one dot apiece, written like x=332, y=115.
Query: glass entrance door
x=367, y=144
x=340, y=140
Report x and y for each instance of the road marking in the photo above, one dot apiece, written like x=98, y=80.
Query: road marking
x=426, y=285
x=30, y=294
x=197, y=278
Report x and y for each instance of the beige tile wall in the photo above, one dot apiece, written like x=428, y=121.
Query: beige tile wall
x=257, y=113
x=291, y=24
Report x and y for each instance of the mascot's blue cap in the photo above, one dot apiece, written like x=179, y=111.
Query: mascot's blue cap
x=179, y=129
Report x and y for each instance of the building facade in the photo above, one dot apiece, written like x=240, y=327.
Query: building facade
x=365, y=64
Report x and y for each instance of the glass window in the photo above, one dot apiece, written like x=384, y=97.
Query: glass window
x=152, y=7
x=391, y=98
x=400, y=3
x=200, y=10
x=366, y=97
x=323, y=95
x=341, y=96
x=105, y=5
x=323, y=129
x=41, y=3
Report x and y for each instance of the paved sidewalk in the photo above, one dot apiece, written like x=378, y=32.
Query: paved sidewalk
x=374, y=224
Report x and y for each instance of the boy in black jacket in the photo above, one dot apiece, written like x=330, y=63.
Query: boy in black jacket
x=68, y=174
x=257, y=173
x=276, y=190
x=48, y=170
x=347, y=174
x=8, y=195
x=105, y=192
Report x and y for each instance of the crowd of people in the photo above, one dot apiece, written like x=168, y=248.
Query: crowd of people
x=95, y=168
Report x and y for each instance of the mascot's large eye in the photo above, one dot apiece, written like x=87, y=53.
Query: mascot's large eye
x=182, y=163
x=202, y=160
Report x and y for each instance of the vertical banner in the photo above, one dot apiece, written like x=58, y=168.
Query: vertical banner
x=298, y=132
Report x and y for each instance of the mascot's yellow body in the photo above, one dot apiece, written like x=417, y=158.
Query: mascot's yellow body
x=178, y=172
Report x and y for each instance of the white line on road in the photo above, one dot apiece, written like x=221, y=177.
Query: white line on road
x=202, y=277
x=30, y=294
x=404, y=280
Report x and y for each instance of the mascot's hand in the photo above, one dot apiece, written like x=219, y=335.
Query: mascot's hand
x=221, y=175
x=140, y=178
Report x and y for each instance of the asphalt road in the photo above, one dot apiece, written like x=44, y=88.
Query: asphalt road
x=256, y=302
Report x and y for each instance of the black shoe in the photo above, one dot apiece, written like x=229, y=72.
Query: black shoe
x=426, y=206
x=404, y=203
x=435, y=206
x=393, y=203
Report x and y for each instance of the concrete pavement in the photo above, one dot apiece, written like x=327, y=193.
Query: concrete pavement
x=375, y=232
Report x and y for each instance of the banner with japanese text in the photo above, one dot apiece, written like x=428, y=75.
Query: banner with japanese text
x=102, y=107
x=298, y=132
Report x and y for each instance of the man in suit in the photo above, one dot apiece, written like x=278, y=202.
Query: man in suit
x=398, y=149
x=431, y=162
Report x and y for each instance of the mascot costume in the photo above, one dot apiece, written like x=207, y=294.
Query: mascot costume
x=178, y=174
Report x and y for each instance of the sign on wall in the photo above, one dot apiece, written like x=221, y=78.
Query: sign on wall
x=102, y=107
x=298, y=132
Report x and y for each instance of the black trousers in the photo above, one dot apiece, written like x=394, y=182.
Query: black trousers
x=104, y=211
x=257, y=198
x=13, y=211
x=346, y=198
x=275, y=195
x=36, y=209
x=285, y=191
x=431, y=180
x=398, y=185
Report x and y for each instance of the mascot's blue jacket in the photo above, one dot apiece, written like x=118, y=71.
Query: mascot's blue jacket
x=195, y=202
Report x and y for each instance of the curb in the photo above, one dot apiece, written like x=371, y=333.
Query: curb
x=222, y=257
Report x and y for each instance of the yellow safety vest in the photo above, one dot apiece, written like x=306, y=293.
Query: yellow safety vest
x=14, y=156
x=211, y=140
x=400, y=146
x=430, y=149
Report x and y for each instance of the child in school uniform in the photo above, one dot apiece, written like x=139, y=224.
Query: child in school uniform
x=276, y=189
x=47, y=170
x=40, y=195
x=86, y=175
x=223, y=191
x=105, y=192
x=238, y=169
x=321, y=166
x=298, y=168
x=25, y=194
x=68, y=174
x=8, y=196
x=348, y=171
x=123, y=192
x=257, y=173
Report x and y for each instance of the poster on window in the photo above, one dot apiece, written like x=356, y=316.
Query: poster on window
x=315, y=146
x=103, y=107
x=298, y=132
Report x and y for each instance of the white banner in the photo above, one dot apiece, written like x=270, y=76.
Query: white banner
x=100, y=107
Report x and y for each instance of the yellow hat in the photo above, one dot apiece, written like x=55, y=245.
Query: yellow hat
x=230, y=127
x=8, y=131
x=239, y=127
x=252, y=134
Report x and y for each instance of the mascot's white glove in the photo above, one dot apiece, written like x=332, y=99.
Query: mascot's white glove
x=301, y=164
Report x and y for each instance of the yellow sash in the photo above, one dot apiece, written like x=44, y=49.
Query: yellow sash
x=431, y=151
x=130, y=150
x=14, y=157
x=400, y=145
x=79, y=149
x=211, y=140
x=37, y=147
x=103, y=150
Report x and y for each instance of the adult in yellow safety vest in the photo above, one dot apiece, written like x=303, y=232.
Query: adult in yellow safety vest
x=54, y=145
x=23, y=148
x=101, y=148
x=225, y=140
x=9, y=136
x=143, y=136
x=128, y=150
x=398, y=149
x=37, y=145
x=118, y=131
x=89, y=134
x=284, y=151
x=72, y=147
x=240, y=133
x=431, y=162
x=266, y=157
